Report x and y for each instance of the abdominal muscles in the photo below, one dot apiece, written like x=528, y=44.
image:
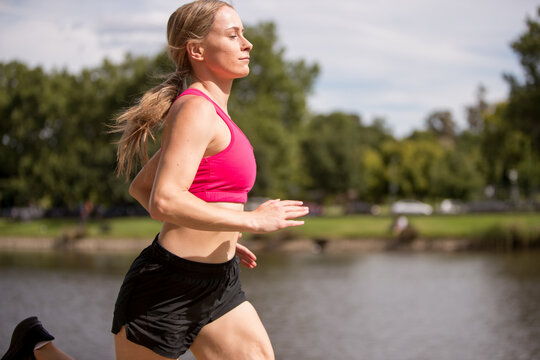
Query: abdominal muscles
x=200, y=245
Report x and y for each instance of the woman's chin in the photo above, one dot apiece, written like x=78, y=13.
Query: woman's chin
x=243, y=73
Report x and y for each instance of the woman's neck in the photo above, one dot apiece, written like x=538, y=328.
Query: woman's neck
x=218, y=91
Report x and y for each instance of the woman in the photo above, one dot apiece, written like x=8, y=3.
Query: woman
x=183, y=291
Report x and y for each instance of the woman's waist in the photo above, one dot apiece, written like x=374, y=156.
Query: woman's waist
x=162, y=256
x=198, y=245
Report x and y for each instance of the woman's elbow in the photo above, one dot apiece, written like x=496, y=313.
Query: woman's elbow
x=158, y=208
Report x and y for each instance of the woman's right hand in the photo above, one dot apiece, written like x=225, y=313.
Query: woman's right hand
x=277, y=214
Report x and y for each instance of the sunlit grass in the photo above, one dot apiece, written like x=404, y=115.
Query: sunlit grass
x=351, y=226
x=125, y=227
x=470, y=225
x=435, y=226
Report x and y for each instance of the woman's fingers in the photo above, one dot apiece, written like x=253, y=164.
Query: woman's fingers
x=245, y=251
x=295, y=214
x=247, y=258
x=296, y=211
x=290, y=223
x=277, y=214
x=292, y=206
x=248, y=263
x=291, y=203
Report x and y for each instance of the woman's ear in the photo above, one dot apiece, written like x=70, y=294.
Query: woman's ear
x=195, y=50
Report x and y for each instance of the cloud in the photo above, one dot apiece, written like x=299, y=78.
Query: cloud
x=76, y=34
x=52, y=45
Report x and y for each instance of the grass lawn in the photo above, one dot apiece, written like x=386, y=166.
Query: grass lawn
x=352, y=226
x=444, y=226
x=125, y=227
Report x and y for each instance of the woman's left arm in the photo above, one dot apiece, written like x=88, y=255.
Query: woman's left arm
x=141, y=186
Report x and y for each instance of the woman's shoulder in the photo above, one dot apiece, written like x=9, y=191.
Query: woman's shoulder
x=192, y=108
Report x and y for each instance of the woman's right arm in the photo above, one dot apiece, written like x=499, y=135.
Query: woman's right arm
x=141, y=187
x=189, y=130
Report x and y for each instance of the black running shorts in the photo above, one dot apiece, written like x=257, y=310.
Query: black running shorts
x=165, y=300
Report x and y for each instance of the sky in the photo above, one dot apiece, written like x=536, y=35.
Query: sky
x=394, y=59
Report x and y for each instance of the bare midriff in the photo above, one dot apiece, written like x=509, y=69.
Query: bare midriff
x=199, y=245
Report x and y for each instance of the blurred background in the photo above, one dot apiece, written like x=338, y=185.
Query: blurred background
x=411, y=129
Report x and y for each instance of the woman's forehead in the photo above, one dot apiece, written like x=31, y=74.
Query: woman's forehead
x=226, y=18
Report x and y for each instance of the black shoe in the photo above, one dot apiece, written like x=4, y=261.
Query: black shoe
x=25, y=337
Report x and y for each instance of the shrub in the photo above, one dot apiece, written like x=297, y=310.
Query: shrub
x=508, y=237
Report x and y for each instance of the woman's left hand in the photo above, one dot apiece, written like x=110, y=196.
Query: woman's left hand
x=247, y=258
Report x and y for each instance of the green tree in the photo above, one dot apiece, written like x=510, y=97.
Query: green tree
x=523, y=109
x=415, y=162
x=507, y=148
x=56, y=142
x=475, y=113
x=333, y=146
x=376, y=176
x=22, y=126
x=442, y=124
x=456, y=176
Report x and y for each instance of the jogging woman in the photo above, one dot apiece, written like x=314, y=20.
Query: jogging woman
x=183, y=291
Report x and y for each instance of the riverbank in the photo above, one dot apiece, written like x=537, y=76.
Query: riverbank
x=90, y=245
x=343, y=227
x=503, y=232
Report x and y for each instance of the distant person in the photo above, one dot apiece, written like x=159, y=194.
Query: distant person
x=183, y=291
x=404, y=232
x=400, y=223
x=85, y=210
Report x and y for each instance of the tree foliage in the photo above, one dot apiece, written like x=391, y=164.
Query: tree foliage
x=56, y=144
x=510, y=140
x=442, y=124
x=523, y=109
x=332, y=148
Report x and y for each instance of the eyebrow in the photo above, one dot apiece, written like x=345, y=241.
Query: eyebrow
x=235, y=28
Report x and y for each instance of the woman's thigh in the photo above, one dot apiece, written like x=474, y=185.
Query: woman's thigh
x=127, y=350
x=237, y=335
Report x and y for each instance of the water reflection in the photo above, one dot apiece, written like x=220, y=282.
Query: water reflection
x=331, y=306
x=106, y=263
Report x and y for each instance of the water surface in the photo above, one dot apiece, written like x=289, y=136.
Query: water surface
x=333, y=306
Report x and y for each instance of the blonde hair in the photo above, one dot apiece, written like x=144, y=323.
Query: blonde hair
x=190, y=22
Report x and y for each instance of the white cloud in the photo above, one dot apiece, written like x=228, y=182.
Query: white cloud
x=52, y=45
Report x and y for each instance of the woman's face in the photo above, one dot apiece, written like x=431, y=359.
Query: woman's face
x=226, y=50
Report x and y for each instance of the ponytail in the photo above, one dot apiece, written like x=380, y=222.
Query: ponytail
x=138, y=122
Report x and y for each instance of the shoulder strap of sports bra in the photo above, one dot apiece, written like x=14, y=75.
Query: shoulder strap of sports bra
x=197, y=92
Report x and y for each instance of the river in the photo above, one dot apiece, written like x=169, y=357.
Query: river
x=373, y=306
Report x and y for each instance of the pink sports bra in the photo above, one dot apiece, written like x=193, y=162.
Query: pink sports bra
x=229, y=175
